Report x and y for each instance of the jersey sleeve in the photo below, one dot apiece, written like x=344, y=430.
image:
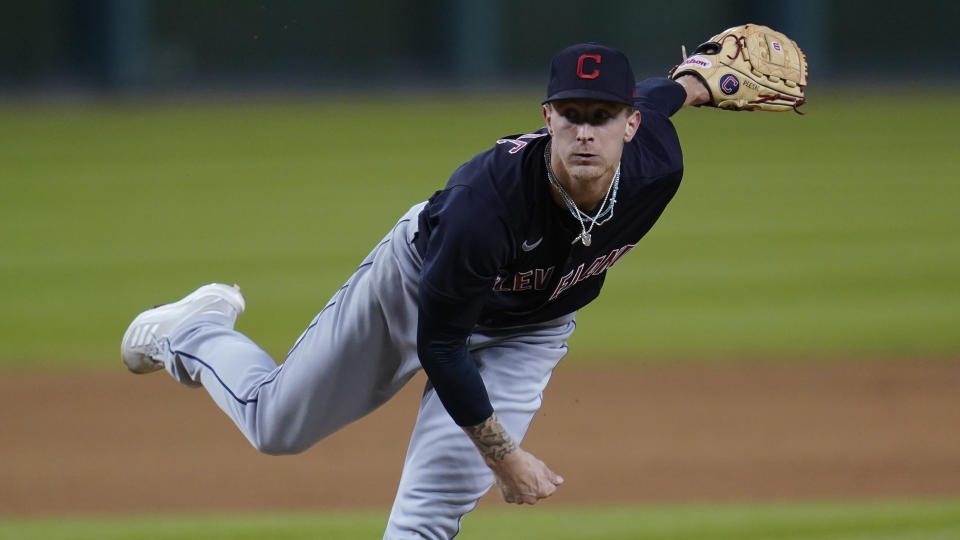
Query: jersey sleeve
x=659, y=94
x=469, y=243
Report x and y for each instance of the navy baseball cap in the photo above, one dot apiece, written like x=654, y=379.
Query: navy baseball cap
x=591, y=71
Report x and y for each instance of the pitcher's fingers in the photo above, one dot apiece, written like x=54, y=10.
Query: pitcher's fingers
x=548, y=490
x=555, y=478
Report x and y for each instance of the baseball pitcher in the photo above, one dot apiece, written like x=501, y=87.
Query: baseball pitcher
x=479, y=285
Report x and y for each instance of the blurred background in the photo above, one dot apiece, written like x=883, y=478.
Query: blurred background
x=124, y=123
x=788, y=330
x=169, y=46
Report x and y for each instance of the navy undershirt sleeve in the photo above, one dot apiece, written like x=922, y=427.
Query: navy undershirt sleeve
x=660, y=94
x=447, y=363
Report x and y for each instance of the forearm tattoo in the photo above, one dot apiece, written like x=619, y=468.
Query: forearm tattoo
x=491, y=439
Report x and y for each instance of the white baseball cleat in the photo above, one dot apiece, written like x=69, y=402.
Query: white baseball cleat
x=146, y=340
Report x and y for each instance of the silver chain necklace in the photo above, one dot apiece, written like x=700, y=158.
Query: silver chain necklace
x=605, y=210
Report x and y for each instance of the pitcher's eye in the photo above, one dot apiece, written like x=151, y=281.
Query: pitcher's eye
x=600, y=117
x=573, y=116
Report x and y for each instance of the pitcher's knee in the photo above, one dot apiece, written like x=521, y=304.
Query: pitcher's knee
x=278, y=438
x=277, y=445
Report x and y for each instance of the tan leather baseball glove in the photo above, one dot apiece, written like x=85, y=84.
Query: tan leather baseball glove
x=749, y=67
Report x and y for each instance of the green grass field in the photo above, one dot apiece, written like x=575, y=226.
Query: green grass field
x=934, y=520
x=833, y=234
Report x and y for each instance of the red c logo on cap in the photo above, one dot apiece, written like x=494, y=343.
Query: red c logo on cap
x=593, y=74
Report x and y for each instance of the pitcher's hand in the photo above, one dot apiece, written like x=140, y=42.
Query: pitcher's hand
x=521, y=477
x=524, y=479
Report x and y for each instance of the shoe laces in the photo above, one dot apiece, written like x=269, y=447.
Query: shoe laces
x=157, y=349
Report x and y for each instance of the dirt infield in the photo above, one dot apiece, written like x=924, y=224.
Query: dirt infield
x=117, y=443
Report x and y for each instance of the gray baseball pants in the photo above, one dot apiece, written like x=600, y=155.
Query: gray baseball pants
x=353, y=357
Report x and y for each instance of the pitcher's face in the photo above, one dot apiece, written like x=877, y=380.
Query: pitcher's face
x=588, y=136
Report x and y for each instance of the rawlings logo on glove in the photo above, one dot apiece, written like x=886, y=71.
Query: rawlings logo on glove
x=749, y=67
